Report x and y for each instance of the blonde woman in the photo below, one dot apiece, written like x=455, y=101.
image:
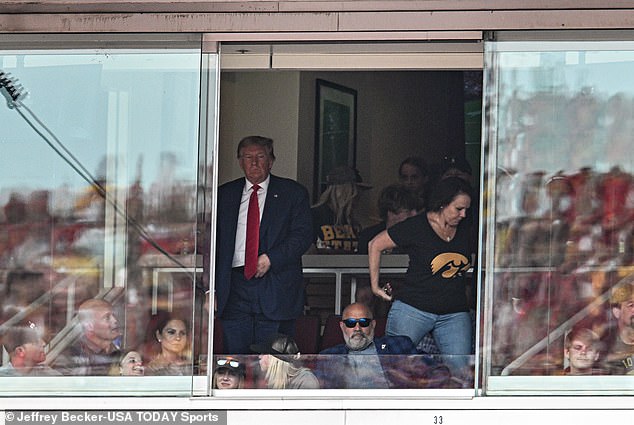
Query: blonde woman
x=335, y=227
x=279, y=360
x=228, y=374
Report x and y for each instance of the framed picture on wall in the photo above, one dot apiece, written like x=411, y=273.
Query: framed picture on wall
x=335, y=130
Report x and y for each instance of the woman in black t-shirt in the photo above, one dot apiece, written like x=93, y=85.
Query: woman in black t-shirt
x=433, y=298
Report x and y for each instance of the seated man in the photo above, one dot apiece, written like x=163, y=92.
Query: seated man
x=620, y=356
x=362, y=365
x=26, y=353
x=96, y=350
x=581, y=350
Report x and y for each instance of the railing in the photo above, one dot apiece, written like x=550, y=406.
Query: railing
x=560, y=330
x=70, y=330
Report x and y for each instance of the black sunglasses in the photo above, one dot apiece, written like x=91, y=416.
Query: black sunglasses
x=364, y=322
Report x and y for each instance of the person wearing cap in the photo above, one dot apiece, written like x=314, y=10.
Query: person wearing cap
x=228, y=374
x=361, y=362
x=457, y=167
x=256, y=303
x=335, y=229
x=620, y=356
x=25, y=346
x=279, y=360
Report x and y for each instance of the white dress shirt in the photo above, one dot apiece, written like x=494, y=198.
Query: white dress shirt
x=241, y=229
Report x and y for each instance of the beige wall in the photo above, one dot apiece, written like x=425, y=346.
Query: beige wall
x=399, y=114
x=259, y=103
x=344, y=17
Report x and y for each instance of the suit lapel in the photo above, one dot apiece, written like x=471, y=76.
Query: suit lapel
x=270, y=207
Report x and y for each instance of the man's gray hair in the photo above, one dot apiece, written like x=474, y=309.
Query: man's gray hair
x=264, y=142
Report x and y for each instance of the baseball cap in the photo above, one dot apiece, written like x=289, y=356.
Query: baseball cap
x=622, y=293
x=281, y=346
x=345, y=174
x=460, y=163
x=230, y=363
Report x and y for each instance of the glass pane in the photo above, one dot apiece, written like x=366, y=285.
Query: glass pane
x=98, y=188
x=340, y=371
x=559, y=235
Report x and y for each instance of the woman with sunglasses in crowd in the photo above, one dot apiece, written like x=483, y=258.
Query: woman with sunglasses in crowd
x=173, y=357
x=229, y=374
x=433, y=298
x=280, y=363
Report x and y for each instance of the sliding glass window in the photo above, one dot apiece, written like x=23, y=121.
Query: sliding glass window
x=102, y=187
x=559, y=291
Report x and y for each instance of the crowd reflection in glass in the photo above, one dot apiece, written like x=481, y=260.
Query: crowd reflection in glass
x=55, y=255
x=564, y=210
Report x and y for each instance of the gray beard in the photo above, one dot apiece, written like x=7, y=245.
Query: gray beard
x=358, y=341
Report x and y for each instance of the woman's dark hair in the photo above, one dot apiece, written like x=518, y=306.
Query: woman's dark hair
x=445, y=191
x=165, y=318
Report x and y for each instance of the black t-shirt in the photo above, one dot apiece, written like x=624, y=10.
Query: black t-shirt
x=435, y=280
x=367, y=234
x=328, y=235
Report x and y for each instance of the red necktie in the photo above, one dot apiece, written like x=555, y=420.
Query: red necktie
x=253, y=235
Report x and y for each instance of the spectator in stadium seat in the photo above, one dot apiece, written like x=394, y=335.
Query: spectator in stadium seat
x=97, y=348
x=131, y=364
x=25, y=346
x=620, y=356
x=173, y=358
x=229, y=374
x=280, y=361
x=361, y=363
x=581, y=349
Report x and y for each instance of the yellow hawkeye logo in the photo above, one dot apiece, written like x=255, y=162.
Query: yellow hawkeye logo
x=450, y=264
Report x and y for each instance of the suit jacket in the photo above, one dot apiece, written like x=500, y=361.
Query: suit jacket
x=384, y=345
x=332, y=372
x=285, y=234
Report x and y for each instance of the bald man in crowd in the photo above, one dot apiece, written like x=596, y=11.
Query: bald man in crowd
x=97, y=349
x=362, y=364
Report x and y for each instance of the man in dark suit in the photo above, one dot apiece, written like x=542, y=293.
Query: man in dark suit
x=255, y=304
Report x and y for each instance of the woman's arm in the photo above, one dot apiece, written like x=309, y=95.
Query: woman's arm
x=381, y=242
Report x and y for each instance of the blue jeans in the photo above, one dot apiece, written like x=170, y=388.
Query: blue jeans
x=452, y=332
